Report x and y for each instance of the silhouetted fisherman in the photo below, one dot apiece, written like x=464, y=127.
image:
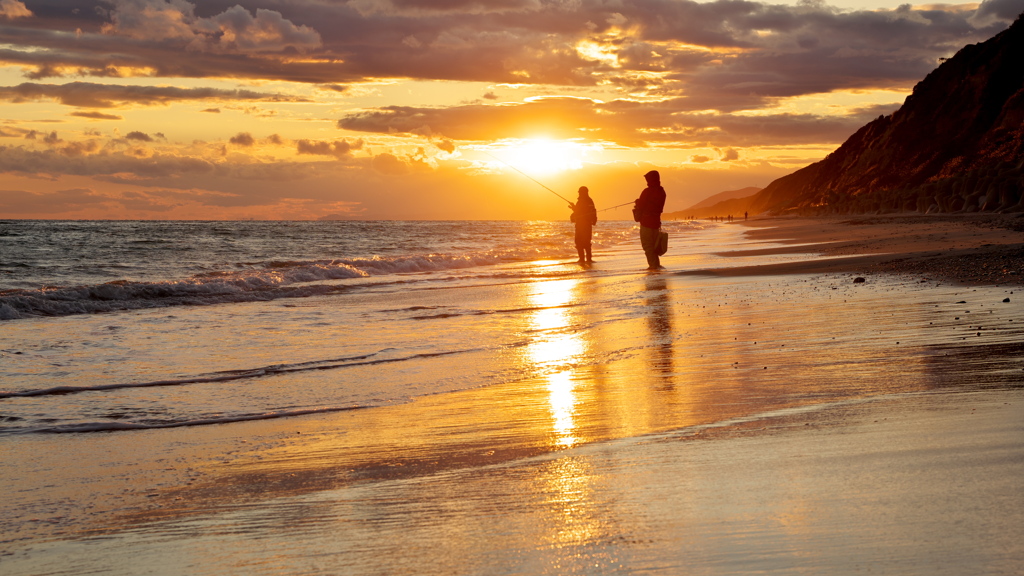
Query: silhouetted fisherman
x=647, y=211
x=584, y=216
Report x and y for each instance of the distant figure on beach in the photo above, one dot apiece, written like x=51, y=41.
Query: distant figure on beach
x=647, y=211
x=744, y=215
x=584, y=216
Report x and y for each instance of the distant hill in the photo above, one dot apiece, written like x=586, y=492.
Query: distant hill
x=956, y=145
x=723, y=196
x=722, y=204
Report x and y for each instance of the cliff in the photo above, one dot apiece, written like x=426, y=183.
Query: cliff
x=956, y=145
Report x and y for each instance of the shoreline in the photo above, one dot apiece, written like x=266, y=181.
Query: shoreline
x=968, y=249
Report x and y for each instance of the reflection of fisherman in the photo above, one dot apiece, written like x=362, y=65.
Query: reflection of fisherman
x=647, y=211
x=584, y=215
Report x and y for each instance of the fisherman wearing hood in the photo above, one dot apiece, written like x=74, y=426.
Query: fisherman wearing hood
x=584, y=216
x=647, y=211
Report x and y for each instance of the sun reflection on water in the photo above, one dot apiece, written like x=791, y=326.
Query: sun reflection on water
x=556, y=347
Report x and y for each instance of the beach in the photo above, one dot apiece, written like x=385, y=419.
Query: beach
x=839, y=395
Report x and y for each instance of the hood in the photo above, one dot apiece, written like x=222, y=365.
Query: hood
x=653, y=178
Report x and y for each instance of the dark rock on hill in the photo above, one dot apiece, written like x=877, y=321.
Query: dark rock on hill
x=956, y=145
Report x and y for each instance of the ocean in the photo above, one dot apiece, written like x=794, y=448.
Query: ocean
x=122, y=325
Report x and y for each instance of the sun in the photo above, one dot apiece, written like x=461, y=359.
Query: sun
x=541, y=156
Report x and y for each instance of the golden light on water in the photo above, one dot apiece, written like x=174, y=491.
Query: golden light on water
x=568, y=481
x=563, y=402
x=556, y=346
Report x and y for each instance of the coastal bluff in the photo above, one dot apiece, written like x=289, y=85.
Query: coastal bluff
x=955, y=146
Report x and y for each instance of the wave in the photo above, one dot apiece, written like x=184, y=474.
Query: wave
x=245, y=280
x=270, y=282
x=229, y=375
x=121, y=426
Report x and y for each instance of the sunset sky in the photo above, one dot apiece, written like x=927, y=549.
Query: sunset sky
x=416, y=109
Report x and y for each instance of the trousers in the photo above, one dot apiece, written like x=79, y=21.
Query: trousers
x=649, y=242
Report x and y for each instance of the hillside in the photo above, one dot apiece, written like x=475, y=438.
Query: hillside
x=956, y=145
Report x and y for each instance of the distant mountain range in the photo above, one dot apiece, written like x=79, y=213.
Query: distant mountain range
x=956, y=145
x=721, y=204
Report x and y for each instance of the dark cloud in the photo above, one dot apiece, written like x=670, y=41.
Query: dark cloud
x=323, y=148
x=96, y=115
x=72, y=160
x=243, y=139
x=139, y=136
x=235, y=30
x=93, y=95
x=762, y=50
x=62, y=201
x=76, y=199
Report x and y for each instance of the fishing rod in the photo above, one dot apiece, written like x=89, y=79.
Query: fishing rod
x=527, y=175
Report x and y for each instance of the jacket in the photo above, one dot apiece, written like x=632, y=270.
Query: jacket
x=651, y=203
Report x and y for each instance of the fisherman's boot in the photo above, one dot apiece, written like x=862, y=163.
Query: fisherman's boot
x=590, y=256
x=582, y=255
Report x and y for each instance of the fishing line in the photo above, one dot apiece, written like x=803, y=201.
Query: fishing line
x=527, y=175
x=614, y=207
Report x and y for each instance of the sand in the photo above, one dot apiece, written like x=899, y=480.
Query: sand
x=970, y=249
x=775, y=418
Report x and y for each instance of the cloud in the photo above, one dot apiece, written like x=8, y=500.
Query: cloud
x=139, y=136
x=73, y=161
x=724, y=54
x=62, y=201
x=70, y=201
x=389, y=164
x=94, y=95
x=323, y=148
x=445, y=145
x=624, y=122
x=552, y=117
x=243, y=139
x=96, y=115
x=235, y=30
x=12, y=9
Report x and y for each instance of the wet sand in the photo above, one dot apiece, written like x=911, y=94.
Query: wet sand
x=757, y=419
x=970, y=249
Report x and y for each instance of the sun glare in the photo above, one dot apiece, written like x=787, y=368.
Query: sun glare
x=542, y=156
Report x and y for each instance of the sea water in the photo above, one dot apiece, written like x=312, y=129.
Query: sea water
x=114, y=325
